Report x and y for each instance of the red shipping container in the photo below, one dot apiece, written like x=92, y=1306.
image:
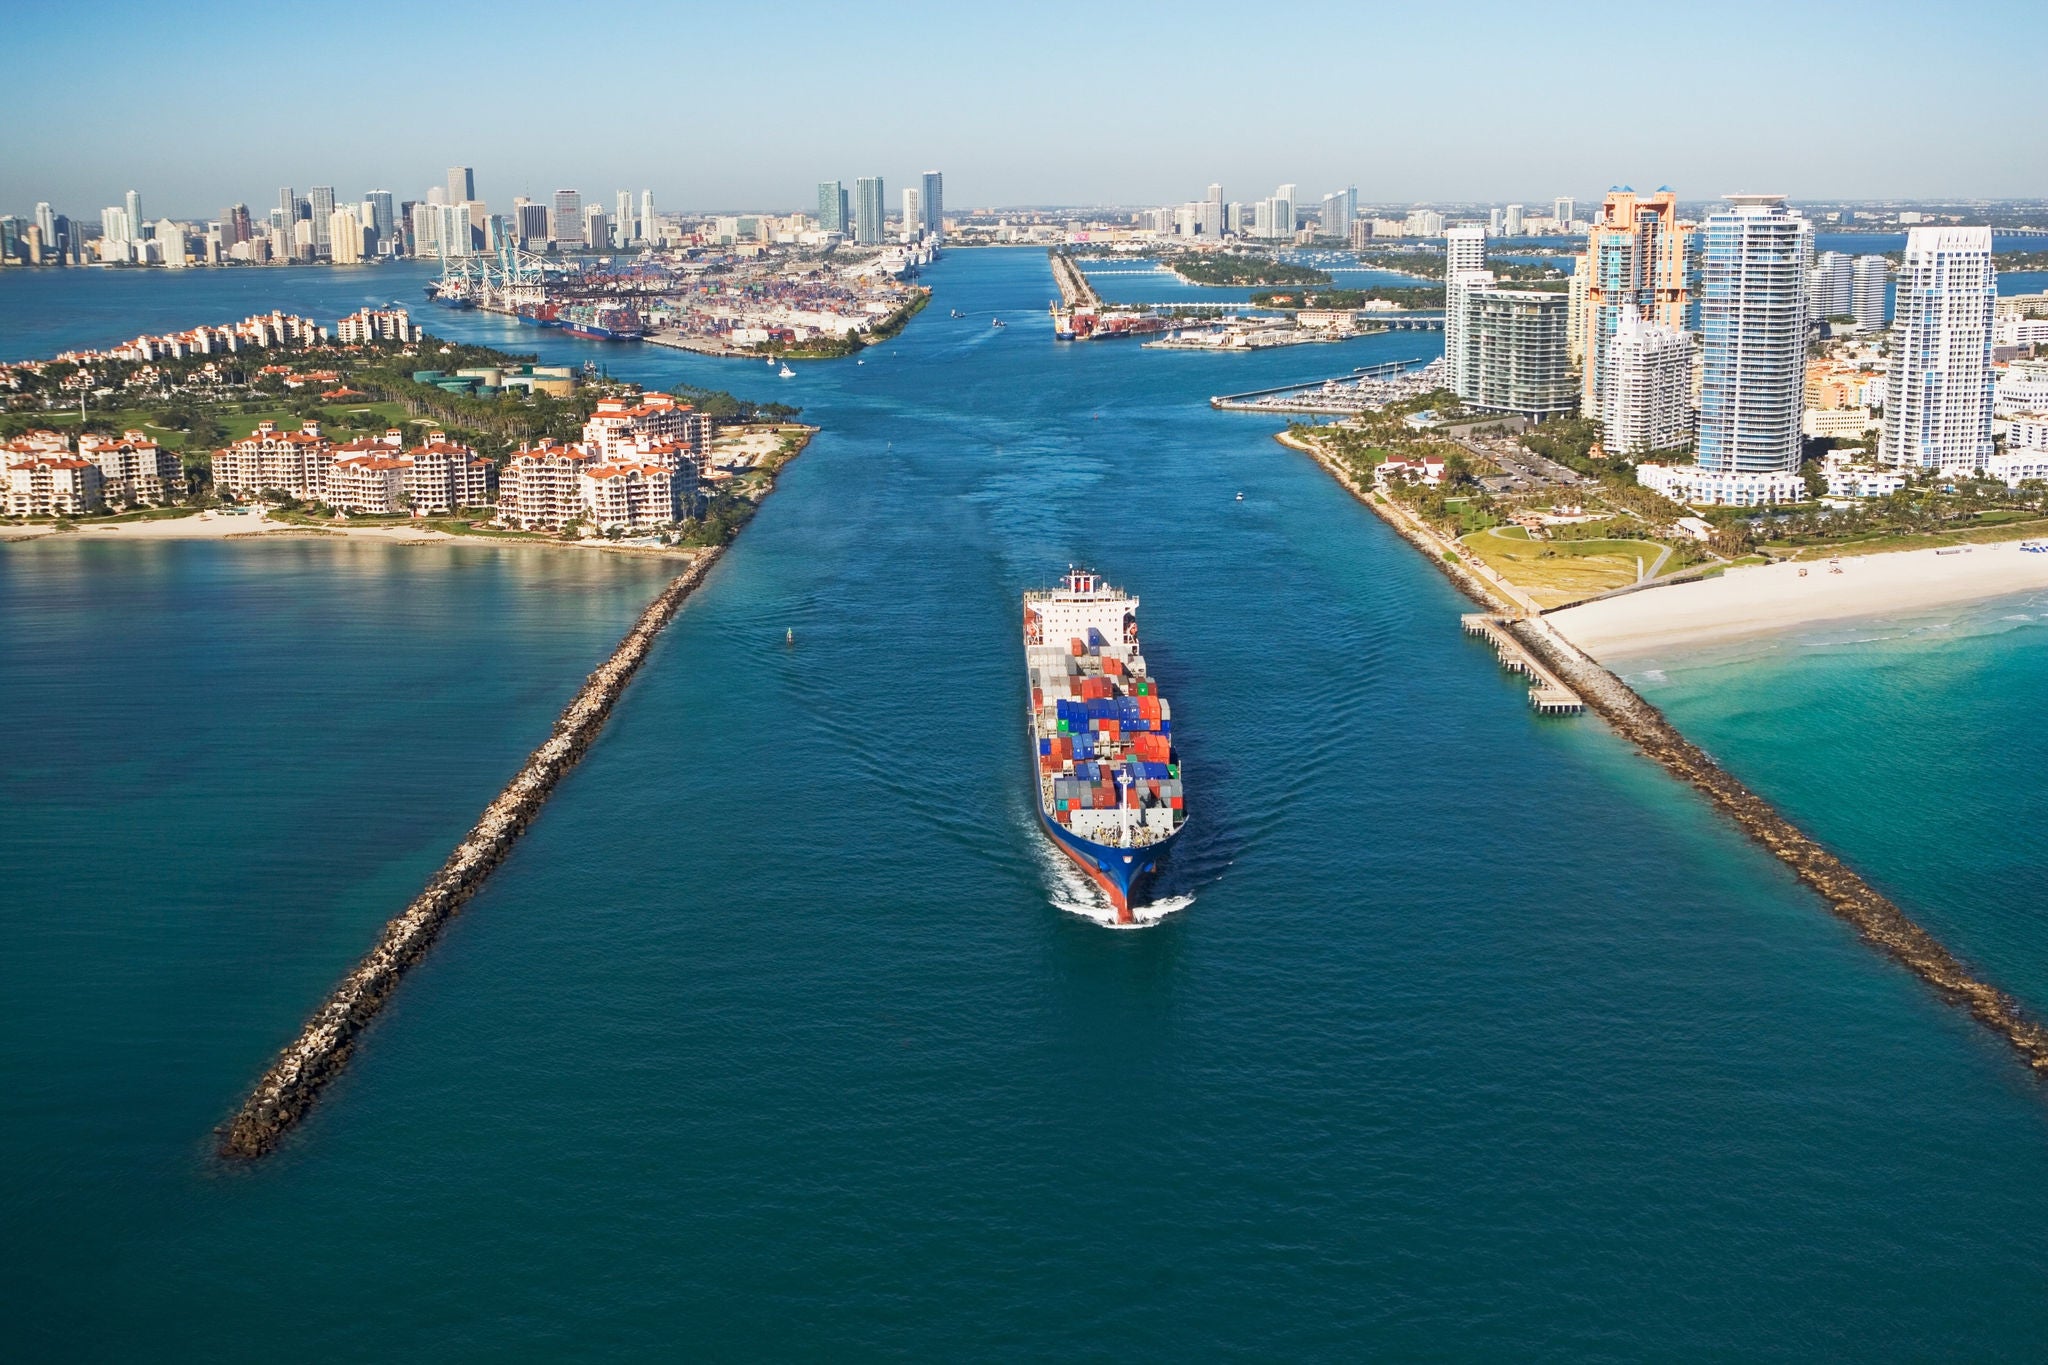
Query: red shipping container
x=1077, y=647
x=1176, y=802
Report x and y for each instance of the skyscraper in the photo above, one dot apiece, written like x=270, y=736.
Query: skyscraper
x=345, y=237
x=648, y=232
x=1511, y=221
x=913, y=209
x=383, y=220
x=832, y=214
x=622, y=219
x=1493, y=222
x=1869, y=276
x=567, y=224
x=1937, y=411
x=530, y=221
x=1646, y=403
x=1831, y=287
x=597, y=232
x=46, y=223
x=1339, y=208
x=1516, y=343
x=1562, y=209
x=1753, y=326
x=461, y=184
x=321, y=197
x=932, y=194
x=132, y=202
x=1637, y=257
x=1281, y=216
x=1464, y=269
x=867, y=210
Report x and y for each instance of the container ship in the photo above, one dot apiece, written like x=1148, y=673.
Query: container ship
x=1109, y=777
x=600, y=321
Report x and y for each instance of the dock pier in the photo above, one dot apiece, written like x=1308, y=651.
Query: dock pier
x=321, y=1049
x=1547, y=692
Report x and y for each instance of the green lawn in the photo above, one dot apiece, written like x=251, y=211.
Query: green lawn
x=1554, y=572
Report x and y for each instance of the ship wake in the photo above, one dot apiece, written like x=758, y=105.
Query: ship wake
x=1070, y=890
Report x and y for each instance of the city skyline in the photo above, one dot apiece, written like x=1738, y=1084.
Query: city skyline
x=1007, y=138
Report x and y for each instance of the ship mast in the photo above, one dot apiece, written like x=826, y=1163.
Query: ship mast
x=1123, y=805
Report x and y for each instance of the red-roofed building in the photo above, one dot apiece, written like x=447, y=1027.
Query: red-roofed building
x=54, y=485
x=290, y=462
x=629, y=497
x=136, y=470
x=541, y=488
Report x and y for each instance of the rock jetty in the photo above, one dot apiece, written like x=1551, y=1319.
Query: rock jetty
x=288, y=1089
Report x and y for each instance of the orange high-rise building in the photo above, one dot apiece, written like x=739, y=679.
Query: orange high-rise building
x=1638, y=254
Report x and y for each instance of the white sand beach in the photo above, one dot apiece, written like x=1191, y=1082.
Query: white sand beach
x=254, y=525
x=1760, y=599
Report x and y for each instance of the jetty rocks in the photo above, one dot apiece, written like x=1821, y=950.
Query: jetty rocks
x=294, y=1080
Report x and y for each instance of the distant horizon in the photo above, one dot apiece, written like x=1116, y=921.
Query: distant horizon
x=1050, y=105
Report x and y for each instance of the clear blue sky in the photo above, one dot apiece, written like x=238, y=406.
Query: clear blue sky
x=749, y=105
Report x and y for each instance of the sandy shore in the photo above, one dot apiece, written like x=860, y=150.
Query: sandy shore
x=212, y=525
x=1759, y=599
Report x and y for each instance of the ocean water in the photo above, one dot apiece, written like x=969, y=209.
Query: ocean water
x=1475, y=1036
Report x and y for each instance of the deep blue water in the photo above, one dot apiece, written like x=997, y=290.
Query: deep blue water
x=1479, y=1037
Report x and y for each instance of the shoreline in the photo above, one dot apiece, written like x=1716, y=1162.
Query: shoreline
x=252, y=528
x=1879, y=921
x=1760, y=600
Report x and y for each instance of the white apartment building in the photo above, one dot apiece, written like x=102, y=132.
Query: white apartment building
x=622, y=426
x=291, y=462
x=375, y=324
x=1464, y=270
x=1699, y=487
x=2022, y=388
x=2016, y=467
x=1753, y=336
x=443, y=477
x=134, y=469
x=2027, y=430
x=369, y=485
x=1939, y=395
x=53, y=486
x=1647, y=400
x=629, y=497
x=541, y=487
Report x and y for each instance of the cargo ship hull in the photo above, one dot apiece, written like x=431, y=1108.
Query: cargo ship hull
x=596, y=333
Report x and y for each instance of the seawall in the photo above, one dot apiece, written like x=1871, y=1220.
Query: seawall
x=1880, y=922
x=294, y=1080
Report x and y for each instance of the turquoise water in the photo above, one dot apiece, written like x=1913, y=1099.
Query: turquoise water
x=1478, y=1037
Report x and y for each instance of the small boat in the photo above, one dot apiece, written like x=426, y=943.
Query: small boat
x=790, y=637
x=998, y=322
x=786, y=372
x=1240, y=497
x=771, y=361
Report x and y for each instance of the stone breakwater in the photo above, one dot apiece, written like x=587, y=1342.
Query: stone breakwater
x=1880, y=922
x=287, y=1090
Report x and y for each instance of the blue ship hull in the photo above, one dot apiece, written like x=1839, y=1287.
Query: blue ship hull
x=1120, y=872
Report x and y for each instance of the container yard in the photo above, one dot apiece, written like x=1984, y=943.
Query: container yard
x=1110, y=790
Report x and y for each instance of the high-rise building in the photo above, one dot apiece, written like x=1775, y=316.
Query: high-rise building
x=451, y=229
x=1830, y=288
x=1280, y=214
x=345, y=237
x=867, y=210
x=1646, y=403
x=1493, y=222
x=1562, y=209
x=46, y=223
x=1638, y=256
x=1937, y=409
x=913, y=210
x=1511, y=221
x=566, y=226
x=622, y=218
x=1340, y=207
x=114, y=225
x=461, y=184
x=648, y=231
x=597, y=230
x=287, y=204
x=1869, y=276
x=832, y=215
x=1517, y=345
x=383, y=220
x=932, y=196
x=132, y=202
x=532, y=221
x=321, y=198
x=170, y=240
x=1753, y=336
x=1464, y=269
